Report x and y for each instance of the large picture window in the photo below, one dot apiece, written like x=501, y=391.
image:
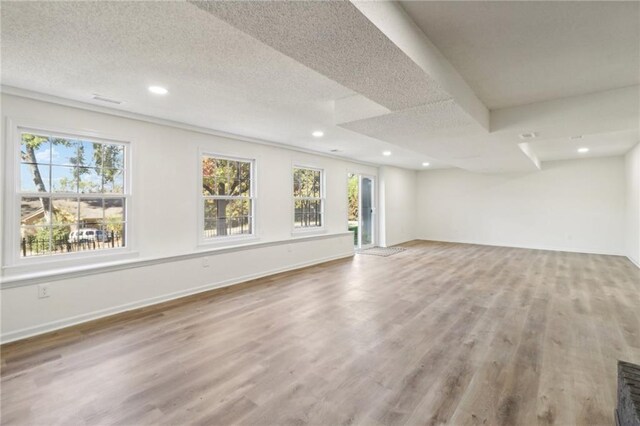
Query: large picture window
x=72, y=194
x=308, y=198
x=227, y=197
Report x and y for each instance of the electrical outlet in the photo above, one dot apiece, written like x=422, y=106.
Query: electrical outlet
x=43, y=291
x=205, y=262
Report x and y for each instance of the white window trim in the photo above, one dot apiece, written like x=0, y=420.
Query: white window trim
x=12, y=261
x=226, y=240
x=323, y=201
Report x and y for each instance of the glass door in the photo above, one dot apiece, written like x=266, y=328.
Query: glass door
x=367, y=212
x=362, y=220
x=353, y=199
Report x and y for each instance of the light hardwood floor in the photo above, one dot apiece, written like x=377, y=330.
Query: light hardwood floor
x=462, y=334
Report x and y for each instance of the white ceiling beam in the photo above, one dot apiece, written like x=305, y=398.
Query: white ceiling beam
x=526, y=148
x=356, y=107
x=600, y=112
x=334, y=39
x=393, y=22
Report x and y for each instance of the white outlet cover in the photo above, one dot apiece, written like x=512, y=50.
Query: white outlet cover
x=43, y=291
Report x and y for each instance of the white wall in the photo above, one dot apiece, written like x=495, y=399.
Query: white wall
x=575, y=205
x=570, y=205
x=397, y=217
x=632, y=232
x=165, y=200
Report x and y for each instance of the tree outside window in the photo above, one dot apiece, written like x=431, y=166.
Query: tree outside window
x=227, y=193
x=307, y=198
x=72, y=194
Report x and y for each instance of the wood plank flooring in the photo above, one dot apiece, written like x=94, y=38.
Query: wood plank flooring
x=440, y=333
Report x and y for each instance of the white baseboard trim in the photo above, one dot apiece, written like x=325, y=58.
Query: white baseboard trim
x=79, y=319
x=637, y=263
x=531, y=247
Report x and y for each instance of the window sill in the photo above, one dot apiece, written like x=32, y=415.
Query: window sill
x=222, y=242
x=302, y=232
x=39, y=268
x=16, y=279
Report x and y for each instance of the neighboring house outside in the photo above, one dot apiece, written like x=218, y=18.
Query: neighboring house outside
x=91, y=214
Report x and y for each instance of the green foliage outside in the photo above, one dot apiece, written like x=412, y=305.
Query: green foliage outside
x=352, y=196
x=307, y=192
x=306, y=183
x=226, y=178
x=352, y=193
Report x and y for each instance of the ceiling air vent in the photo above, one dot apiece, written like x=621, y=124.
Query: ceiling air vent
x=103, y=99
x=530, y=135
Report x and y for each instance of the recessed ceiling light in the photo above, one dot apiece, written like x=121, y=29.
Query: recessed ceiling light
x=386, y=153
x=318, y=134
x=583, y=150
x=158, y=90
x=425, y=164
x=530, y=135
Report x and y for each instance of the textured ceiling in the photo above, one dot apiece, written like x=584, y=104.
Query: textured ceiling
x=336, y=40
x=218, y=77
x=422, y=121
x=608, y=144
x=279, y=70
x=173, y=41
x=519, y=52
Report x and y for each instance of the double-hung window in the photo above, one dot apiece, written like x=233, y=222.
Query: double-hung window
x=308, y=198
x=228, y=197
x=72, y=194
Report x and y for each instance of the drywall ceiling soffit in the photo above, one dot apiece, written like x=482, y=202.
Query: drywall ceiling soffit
x=593, y=113
x=370, y=47
x=599, y=145
x=336, y=40
x=219, y=77
x=397, y=100
x=392, y=20
x=364, y=46
x=608, y=122
x=237, y=84
x=521, y=52
x=431, y=119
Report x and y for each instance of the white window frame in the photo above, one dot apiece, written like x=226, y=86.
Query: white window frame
x=13, y=194
x=310, y=229
x=227, y=240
